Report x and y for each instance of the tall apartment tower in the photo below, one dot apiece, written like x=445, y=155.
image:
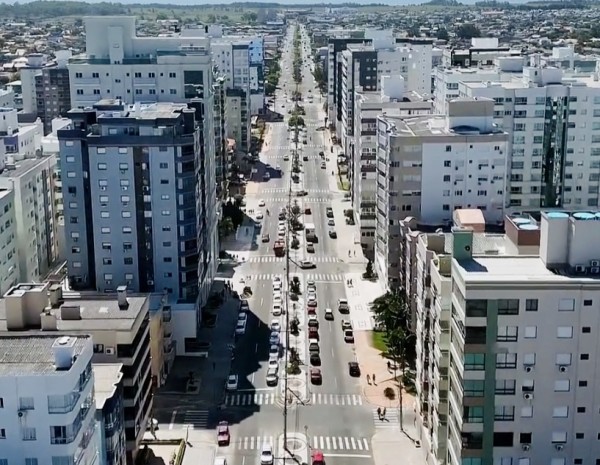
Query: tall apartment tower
x=140, y=198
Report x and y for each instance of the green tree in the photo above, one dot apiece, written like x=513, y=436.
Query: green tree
x=468, y=31
x=442, y=34
x=393, y=313
x=369, y=271
x=226, y=226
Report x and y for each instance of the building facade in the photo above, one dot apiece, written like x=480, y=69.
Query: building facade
x=108, y=388
x=47, y=395
x=427, y=167
x=9, y=254
x=119, y=326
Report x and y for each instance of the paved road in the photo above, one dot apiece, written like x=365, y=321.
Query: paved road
x=334, y=417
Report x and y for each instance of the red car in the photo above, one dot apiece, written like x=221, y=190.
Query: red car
x=311, y=310
x=313, y=333
x=318, y=458
x=315, y=376
x=223, y=436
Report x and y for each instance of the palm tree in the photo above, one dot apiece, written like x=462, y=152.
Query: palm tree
x=392, y=312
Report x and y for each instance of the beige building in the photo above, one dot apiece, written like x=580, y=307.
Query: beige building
x=120, y=327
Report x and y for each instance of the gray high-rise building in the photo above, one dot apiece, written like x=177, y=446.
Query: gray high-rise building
x=140, y=198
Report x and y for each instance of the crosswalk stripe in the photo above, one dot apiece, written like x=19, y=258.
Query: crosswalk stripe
x=338, y=443
x=346, y=443
x=366, y=443
x=327, y=442
x=353, y=443
x=334, y=442
x=360, y=444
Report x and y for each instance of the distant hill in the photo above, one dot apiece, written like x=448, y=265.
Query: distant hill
x=443, y=3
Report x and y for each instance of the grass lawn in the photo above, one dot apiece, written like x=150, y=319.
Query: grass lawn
x=378, y=341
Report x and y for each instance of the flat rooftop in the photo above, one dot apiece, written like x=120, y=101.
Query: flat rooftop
x=433, y=125
x=159, y=110
x=22, y=167
x=106, y=378
x=30, y=355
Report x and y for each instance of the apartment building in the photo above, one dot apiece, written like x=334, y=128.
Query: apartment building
x=363, y=148
x=19, y=140
x=47, y=399
x=237, y=115
x=429, y=166
x=118, y=325
x=220, y=128
x=31, y=181
x=119, y=65
x=48, y=83
x=566, y=58
x=119, y=219
x=482, y=52
x=554, y=123
x=108, y=388
x=9, y=255
x=363, y=66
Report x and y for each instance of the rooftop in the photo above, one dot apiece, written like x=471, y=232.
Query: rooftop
x=22, y=167
x=106, y=378
x=29, y=355
x=159, y=110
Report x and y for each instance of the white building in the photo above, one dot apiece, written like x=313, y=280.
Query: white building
x=392, y=98
x=554, y=124
x=363, y=66
x=19, y=140
x=9, y=253
x=429, y=166
x=119, y=65
x=47, y=400
x=32, y=182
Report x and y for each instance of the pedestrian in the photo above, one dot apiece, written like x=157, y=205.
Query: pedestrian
x=379, y=412
x=389, y=365
x=355, y=253
x=383, y=413
x=374, y=379
x=368, y=379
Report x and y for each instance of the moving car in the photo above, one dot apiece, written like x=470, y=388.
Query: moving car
x=346, y=324
x=307, y=264
x=266, y=455
x=223, y=437
x=315, y=376
x=332, y=234
x=265, y=238
x=232, y=383
x=329, y=212
x=259, y=216
x=353, y=369
x=328, y=314
x=317, y=457
x=348, y=336
x=261, y=203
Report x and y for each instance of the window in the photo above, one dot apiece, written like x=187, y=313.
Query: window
x=530, y=332
x=564, y=332
x=447, y=163
x=165, y=212
x=164, y=181
x=531, y=305
x=104, y=215
x=102, y=166
x=504, y=413
x=528, y=385
x=580, y=409
x=128, y=261
x=559, y=437
x=163, y=166
x=125, y=214
x=126, y=230
x=506, y=360
x=28, y=434
x=123, y=150
x=507, y=334
x=508, y=307
x=586, y=329
x=563, y=359
x=560, y=412
x=2, y=433
x=173, y=91
x=107, y=261
x=582, y=383
x=473, y=388
x=476, y=308
x=105, y=230
x=505, y=387
x=167, y=259
x=579, y=436
x=587, y=302
x=584, y=357
x=172, y=75
x=31, y=461
x=562, y=385
x=123, y=166
x=26, y=403
x=448, y=148
x=474, y=361
x=472, y=414
x=566, y=305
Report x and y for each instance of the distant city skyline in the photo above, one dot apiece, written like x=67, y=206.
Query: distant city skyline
x=285, y=3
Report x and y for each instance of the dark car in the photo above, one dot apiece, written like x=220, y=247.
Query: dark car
x=315, y=358
x=332, y=234
x=353, y=369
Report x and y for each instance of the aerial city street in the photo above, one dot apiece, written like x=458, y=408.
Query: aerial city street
x=299, y=234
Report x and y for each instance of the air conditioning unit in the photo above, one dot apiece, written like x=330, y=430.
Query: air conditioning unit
x=595, y=270
x=528, y=368
x=528, y=396
x=525, y=447
x=562, y=368
x=102, y=188
x=595, y=263
x=579, y=269
x=150, y=282
x=109, y=351
x=559, y=446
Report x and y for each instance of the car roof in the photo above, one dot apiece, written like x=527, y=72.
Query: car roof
x=352, y=364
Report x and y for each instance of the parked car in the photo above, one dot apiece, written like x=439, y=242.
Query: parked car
x=348, y=336
x=266, y=455
x=315, y=358
x=315, y=376
x=232, y=383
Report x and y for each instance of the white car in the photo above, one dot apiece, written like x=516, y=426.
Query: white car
x=277, y=286
x=286, y=158
x=240, y=328
x=312, y=298
x=272, y=378
x=274, y=338
x=266, y=455
x=261, y=203
x=275, y=325
x=273, y=365
x=259, y=216
x=311, y=285
x=243, y=316
x=277, y=310
x=232, y=383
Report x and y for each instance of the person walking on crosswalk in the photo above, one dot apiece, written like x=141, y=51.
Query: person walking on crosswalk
x=379, y=412
x=383, y=413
